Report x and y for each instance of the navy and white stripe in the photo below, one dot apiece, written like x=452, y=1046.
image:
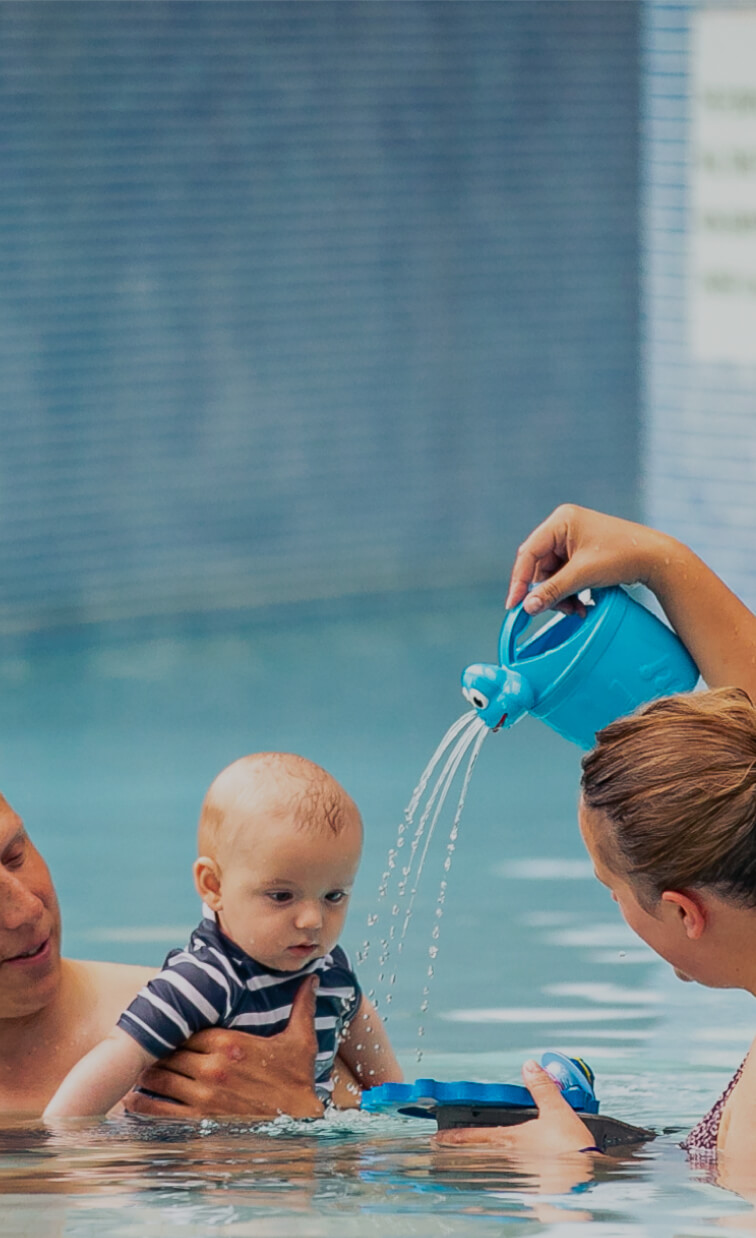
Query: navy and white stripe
x=213, y=983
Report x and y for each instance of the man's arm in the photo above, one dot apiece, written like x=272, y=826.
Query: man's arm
x=224, y=1073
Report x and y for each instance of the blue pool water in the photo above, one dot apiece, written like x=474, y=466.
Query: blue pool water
x=108, y=745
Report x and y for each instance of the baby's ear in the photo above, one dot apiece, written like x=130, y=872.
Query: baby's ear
x=207, y=881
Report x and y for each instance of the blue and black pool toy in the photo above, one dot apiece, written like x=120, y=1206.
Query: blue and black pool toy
x=462, y=1103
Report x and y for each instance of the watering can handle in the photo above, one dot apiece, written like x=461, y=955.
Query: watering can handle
x=514, y=625
x=518, y=619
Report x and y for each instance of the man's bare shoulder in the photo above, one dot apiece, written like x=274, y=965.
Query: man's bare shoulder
x=109, y=986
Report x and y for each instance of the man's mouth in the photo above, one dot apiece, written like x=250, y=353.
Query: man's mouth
x=33, y=954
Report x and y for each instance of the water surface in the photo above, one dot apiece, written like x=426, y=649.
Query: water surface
x=108, y=746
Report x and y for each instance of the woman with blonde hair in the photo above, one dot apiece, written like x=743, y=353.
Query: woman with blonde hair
x=668, y=800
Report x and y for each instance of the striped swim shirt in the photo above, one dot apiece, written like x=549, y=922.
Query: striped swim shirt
x=213, y=983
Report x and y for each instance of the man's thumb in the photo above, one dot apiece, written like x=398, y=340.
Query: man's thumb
x=545, y=1091
x=303, y=1007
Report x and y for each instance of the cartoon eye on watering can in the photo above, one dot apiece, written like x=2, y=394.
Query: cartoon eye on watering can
x=580, y=672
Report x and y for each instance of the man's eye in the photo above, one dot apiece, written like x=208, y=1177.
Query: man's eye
x=336, y=896
x=14, y=860
x=280, y=896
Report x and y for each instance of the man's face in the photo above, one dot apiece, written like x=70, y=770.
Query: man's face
x=29, y=923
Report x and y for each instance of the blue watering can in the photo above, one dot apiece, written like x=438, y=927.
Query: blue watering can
x=578, y=673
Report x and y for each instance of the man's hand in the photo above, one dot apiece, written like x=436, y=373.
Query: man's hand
x=223, y=1073
x=557, y=1130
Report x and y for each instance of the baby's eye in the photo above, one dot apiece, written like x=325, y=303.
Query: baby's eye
x=336, y=896
x=280, y=896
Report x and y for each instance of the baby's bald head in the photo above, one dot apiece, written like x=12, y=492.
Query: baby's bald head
x=267, y=788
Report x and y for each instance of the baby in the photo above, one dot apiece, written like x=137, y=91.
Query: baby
x=279, y=843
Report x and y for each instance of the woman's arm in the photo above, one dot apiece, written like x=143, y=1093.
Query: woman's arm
x=576, y=548
x=101, y=1078
x=366, y=1049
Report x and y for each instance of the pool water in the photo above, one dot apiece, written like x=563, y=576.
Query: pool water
x=109, y=742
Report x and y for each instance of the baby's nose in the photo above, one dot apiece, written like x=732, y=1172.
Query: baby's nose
x=309, y=914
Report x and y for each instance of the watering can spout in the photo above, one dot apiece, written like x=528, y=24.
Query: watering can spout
x=498, y=695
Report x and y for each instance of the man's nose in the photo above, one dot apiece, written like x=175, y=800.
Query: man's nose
x=18, y=905
x=309, y=914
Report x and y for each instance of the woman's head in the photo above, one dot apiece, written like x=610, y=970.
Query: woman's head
x=670, y=793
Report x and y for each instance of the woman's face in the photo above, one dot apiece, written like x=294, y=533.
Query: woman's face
x=661, y=929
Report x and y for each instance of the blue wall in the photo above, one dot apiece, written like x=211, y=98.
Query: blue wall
x=302, y=299
x=699, y=437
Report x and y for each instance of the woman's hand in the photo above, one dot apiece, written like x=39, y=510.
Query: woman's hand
x=223, y=1073
x=557, y=1131
x=575, y=549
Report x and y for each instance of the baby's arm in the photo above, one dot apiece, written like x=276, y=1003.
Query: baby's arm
x=101, y=1078
x=366, y=1049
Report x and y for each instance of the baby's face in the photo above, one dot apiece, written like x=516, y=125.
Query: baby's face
x=285, y=890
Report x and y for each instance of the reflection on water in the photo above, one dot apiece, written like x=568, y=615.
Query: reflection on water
x=355, y=1175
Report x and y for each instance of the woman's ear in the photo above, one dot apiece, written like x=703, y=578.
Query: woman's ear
x=690, y=909
x=207, y=881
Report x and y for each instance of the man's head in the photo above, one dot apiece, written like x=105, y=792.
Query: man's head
x=29, y=923
x=279, y=843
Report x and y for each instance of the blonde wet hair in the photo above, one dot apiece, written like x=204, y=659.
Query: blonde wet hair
x=676, y=783
x=279, y=784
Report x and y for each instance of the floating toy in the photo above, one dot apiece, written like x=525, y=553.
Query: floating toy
x=462, y=1104
x=580, y=672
